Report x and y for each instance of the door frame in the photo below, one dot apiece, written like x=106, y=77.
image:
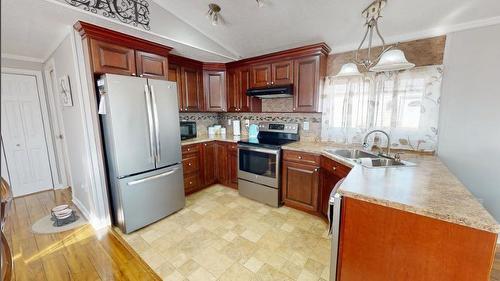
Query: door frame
x=57, y=125
x=42, y=97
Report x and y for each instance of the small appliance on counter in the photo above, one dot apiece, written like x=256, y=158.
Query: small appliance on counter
x=253, y=131
x=188, y=130
x=236, y=128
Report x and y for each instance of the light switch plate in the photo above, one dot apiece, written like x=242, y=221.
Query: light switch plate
x=306, y=126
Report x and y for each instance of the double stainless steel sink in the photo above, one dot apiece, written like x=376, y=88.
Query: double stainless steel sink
x=368, y=159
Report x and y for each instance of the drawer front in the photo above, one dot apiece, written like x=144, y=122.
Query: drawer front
x=301, y=157
x=334, y=167
x=191, y=163
x=191, y=148
x=191, y=182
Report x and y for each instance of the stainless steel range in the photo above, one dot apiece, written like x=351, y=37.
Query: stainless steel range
x=259, y=166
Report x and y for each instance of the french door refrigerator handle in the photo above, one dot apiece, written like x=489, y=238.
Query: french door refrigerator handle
x=157, y=124
x=150, y=123
x=153, y=177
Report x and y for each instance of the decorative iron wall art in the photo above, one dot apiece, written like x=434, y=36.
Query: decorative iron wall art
x=134, y=12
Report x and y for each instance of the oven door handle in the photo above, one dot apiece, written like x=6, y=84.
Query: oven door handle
x=258, y=149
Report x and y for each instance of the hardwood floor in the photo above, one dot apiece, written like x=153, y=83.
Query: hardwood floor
x=79, y=254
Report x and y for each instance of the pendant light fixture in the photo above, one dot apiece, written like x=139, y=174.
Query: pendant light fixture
x=213, y=14
x=389, y=58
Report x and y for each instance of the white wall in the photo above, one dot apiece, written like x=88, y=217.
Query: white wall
x=79, y=162
x=469, y=136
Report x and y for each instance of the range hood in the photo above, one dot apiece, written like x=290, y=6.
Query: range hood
x=284, y=91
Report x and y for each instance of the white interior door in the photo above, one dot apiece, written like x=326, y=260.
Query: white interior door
x=23, y=135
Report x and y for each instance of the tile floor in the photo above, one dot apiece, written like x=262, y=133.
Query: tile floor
x=223, y=236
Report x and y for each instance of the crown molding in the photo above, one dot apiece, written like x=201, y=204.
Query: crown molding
x=21, y=58
x=431, y=32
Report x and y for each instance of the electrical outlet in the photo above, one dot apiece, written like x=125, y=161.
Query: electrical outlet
x=247, y=122
x=305, y=126
x=229, y=122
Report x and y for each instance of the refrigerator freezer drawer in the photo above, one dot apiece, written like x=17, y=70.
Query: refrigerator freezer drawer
x=149, y=197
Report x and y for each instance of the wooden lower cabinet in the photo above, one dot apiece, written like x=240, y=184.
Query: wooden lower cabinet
x=208, y=163
x=380, y=243
x=232, y=156
x=331, y=173
x=300, y=186
x=221, y=159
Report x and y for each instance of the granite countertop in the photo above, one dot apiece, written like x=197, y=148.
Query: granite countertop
x=427, y=189
x=200, y=139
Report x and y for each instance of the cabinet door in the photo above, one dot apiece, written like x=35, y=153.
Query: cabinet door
x=306, y=84
x=232, y=154
x=215, y=90
x=282, y=72
x=261, y=75
x=111, y=58
x=209, y=151
x=247, y=103
x=233, y=95
x=221, y=160
x=191, y=89
x=151, y=65
x=300, y=185
x=328, y=181
x=174, y=75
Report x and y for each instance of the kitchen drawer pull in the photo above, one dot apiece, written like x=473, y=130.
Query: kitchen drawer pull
x=334, y=168
x=190, y=164
x=300, y=157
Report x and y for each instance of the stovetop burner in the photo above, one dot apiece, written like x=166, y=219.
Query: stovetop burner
x=274, y=135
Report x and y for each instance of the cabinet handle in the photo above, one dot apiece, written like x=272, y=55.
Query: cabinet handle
x=189, y=149
x=205, y=144
x=190, y=164
x=272, y=83
x=190, y=183
x=133, y=74
x=294, y=109
x=316, y=169
x=141, y=75
x=300, y=157
x=334, y=168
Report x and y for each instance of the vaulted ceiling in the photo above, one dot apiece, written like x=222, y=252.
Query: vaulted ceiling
x=250, y=30
x=34, y=28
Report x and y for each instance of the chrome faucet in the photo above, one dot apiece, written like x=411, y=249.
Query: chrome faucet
x=365, y=141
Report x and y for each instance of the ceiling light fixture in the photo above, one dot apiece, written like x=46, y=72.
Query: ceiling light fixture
x=213, y=14
x=260, y=3
x=389, y=59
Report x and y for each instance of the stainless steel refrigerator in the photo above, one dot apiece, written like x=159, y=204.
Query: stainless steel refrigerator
x=143, y=149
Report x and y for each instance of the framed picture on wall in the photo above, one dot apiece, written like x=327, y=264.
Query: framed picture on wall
x=65, y=91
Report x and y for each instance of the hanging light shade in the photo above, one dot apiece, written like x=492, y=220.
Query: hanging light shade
x=392, y=60
x=348, y=69
x=213, y=14
x=389, y=58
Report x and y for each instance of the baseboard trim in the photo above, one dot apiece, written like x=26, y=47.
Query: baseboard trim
x=82, y=208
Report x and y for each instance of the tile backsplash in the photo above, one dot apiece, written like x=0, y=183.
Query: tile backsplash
x=204, y=120
x=277, y=105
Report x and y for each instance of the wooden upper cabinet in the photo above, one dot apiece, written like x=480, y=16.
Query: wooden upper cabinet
x=151, y=65
x=112, y=58
x=192, y=92
x=261, y=75
x=232, y=90
x=300, y=186
x=215, y=90
x=282, y=72
x=306, y=84
x=247, y=103
x=174, y=75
